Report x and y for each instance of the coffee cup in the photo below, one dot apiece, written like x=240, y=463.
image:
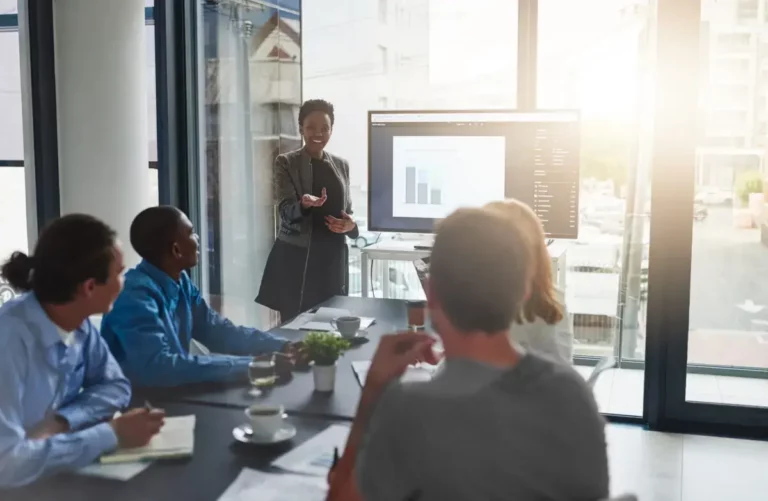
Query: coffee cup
x=266, y=420
x=417, y=314
x=347, y=326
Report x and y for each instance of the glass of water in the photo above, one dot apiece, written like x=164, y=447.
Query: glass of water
x=261, y=373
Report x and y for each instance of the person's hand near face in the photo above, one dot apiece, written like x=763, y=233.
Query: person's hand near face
x=393, y=356
x=343, y=225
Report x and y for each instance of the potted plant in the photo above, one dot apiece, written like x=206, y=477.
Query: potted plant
x=324, y=350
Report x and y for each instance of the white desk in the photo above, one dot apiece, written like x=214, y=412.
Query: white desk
x=398, y=250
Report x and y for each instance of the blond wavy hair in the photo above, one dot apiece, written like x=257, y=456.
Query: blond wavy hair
x=542, y=302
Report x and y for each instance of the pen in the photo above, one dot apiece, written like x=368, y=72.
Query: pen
x=148, y=406
x=335, y=457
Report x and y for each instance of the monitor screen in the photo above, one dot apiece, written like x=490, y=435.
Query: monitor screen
x=422, y=165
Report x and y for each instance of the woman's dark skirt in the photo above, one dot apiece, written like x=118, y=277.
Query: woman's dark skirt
x=326, y=275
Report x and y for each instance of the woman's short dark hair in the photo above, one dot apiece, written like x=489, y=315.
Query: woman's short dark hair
x=313, y=105
x=69, y=251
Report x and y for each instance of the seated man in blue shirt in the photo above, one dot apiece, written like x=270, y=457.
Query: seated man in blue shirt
x=160, y=312
x=59, y=385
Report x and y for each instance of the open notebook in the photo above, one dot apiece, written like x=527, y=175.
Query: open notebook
x=176, y=439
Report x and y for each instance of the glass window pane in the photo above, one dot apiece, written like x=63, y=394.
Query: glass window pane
x=251, y=76
x=151, y=93
x=13, y=208
x=594, y=56
x=152, y=114
x=9, y=6
x=406, y=55
x=728, y=319
x=11, y=142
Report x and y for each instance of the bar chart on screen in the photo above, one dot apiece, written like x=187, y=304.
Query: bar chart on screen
x=430, y=173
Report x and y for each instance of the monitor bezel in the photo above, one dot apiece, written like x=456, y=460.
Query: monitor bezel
x=383, y=229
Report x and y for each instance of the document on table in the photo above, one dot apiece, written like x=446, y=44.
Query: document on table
x=252, y=485
x=315, y=456
x=321, y=320
x=176, y=439
x=118, y=471
x=422, y=372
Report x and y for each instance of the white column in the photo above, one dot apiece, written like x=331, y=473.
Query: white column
x=101, y=103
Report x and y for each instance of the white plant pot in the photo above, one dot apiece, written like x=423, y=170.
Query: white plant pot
x=325, y=377
x=742, y=217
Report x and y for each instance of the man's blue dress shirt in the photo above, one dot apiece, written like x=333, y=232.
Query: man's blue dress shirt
x=153, y=321
x=41, y=377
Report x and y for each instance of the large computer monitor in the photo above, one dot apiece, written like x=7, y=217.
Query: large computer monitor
x=424, y=164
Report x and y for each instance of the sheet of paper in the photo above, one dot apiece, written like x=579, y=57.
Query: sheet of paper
x=253, y=485
x=198, y=348
x=315, y=456
x=176, y=439
x=321, y=320
x=422, y=372
x=121, y=471
x=299, y=321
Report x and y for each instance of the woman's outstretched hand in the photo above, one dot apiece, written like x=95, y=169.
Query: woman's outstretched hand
x=309, y=201
x=343, y=225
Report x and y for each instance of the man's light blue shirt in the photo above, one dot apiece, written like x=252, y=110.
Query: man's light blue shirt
x=152, y=323
x=41, y=377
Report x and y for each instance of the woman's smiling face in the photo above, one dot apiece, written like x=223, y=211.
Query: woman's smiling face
x=316, y=131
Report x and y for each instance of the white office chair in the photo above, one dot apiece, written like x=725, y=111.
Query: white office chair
x=603, y=365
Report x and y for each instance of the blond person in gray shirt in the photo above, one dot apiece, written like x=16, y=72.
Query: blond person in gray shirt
x=498, y=423
x=542, y=324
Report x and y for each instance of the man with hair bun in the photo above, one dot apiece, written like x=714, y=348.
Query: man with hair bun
x=59, y=385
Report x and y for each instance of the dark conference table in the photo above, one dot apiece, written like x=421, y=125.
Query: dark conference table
x=218, y=458
x=217, y=461
x=298, y=395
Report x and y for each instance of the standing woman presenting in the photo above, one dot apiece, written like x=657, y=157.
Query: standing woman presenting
x=309, y=260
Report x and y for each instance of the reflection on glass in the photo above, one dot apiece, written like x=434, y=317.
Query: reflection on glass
x=251, y=76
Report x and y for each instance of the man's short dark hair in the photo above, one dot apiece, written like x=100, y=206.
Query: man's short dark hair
x=154, y=230
x=479, y=270
x=69, y=251
x=315, y=105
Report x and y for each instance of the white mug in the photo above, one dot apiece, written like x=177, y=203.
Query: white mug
x=347, y=326
x=266, y=420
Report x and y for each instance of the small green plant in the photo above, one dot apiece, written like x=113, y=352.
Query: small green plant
x=325, y=348
x=747, y=183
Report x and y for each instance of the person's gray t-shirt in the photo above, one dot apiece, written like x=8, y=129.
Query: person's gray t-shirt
x=477, y=433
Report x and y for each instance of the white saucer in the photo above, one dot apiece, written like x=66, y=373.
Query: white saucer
x=243, y=434
x=358, y=334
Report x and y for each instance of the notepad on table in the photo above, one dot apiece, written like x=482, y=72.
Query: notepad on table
x=176, y=439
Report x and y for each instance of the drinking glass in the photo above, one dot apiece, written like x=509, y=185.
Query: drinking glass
x=261, y=373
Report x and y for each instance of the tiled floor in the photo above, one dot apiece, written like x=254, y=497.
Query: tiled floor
x=668, y=467
x=620, y=391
